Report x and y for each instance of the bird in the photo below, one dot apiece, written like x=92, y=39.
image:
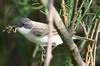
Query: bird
x=37, y=32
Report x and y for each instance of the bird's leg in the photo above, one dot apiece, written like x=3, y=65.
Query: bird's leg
x=43, y=52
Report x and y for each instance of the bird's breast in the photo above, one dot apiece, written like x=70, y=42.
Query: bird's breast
x=37, y=39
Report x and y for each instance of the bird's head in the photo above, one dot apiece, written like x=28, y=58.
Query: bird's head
x=24, y=22
x=24, y=25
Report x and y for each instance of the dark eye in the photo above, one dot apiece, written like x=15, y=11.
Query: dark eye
x=23, y=24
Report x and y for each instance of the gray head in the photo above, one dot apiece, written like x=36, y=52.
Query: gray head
x=24, y=22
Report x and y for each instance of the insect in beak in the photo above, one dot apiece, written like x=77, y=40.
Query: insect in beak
x=10, y=29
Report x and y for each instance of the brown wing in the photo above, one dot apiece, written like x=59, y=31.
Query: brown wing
x=41, y=29
x=41, y=32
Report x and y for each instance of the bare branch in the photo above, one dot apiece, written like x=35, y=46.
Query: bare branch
x=49, y=45
x=71, y=27
x=96, y=38
x=64, y=11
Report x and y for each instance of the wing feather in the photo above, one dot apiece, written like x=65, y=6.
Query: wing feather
x=41, y=29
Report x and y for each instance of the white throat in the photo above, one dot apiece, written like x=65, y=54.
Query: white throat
x=22, y=30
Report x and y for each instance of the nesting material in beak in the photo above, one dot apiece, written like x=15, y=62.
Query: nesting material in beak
x=10, y=29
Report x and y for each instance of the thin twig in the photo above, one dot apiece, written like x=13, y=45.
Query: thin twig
x=49, y=46
x=87, y=54
x=96, y=38
x=71, y=27
x=92, y=34
x=64, y=11
x=84, y=28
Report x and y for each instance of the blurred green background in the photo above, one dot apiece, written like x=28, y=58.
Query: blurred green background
x=15, y=50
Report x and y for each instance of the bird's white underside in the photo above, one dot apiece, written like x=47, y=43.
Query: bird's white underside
x=35, y=39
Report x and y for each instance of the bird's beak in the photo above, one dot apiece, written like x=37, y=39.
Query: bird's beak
x=14, y=28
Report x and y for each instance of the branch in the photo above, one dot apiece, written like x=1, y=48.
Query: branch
x=66, y=37
x=49, y=45
x=64, y=11
x=71, y=27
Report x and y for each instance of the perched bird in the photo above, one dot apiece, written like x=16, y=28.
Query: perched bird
x=37, y=32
